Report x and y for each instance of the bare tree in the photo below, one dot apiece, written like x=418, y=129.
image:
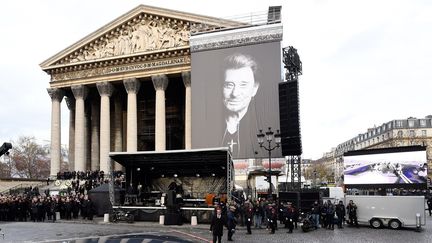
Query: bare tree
x=29, y=159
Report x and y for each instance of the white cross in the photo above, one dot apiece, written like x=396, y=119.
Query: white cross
x=231, y=144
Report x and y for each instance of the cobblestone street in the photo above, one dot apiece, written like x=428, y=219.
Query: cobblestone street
x=69, y=231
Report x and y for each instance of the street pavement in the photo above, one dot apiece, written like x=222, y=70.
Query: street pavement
x=89, y=231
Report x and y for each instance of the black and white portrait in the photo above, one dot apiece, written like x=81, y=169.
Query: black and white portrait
x=234, y=94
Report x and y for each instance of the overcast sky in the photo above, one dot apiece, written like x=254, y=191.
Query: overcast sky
x=364, y=62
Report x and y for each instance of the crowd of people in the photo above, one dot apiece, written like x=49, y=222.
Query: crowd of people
x=265, y=214
x=40, y=208
x=80, y=182
x=98, y=175
x=71, y=203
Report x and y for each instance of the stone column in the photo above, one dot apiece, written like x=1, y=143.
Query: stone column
x=105, y=90
x=95, y=162
x=132, y=86
x=80, y=92
x=118, y=128
x=160, y=83
x=70, y=101
x=56, y=98
x=188, y=110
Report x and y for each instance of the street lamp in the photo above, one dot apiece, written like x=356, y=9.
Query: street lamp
x=269, y=135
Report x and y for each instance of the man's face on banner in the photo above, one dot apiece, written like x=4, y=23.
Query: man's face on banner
x=239, y=88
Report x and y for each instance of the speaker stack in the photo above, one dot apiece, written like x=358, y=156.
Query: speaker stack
x=289, y=118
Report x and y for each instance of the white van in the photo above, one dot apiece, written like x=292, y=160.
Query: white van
x=389, y=211
x=335, y=194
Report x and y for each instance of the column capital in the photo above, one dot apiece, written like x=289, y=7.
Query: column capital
x=160, y=82
x=56, y=94
x=80, y=91
x=105, y=88
x=132, y=85
x=186, y=78
x=70, y=102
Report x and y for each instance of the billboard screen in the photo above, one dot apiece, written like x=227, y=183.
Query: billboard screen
x=397, y=167
x=234, y=94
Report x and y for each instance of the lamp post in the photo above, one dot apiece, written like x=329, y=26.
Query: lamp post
x=269, y=135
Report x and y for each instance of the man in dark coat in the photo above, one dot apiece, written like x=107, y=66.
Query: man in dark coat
x=88, y=207
x=289, y=215
x=231, y=222
x=429, y=203
x=316, y=211
x=352, y=213
x=272, y=219
x=330, y=215
x=216, y=226
x=340, y=213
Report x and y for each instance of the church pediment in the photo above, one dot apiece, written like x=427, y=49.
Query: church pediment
x=142, y=30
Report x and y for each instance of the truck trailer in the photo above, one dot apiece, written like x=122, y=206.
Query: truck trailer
x=389, y=211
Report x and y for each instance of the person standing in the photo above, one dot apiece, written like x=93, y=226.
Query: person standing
x=330, y=215
x=216, y=226
x=340, y=213
x=429, y=203
x=88, y=207
x=272, y=219
x=231, y=222
x=316, y=211
x=324, y=223
x=258, y=214
x=249, y=214
x=352, y=213
x=289, y=215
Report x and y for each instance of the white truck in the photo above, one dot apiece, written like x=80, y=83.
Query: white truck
x=335, y=194
x=390, y=211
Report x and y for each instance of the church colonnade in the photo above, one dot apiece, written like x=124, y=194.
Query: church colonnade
x=91, y=139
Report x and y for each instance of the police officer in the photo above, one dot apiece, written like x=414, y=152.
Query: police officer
x=289, y=215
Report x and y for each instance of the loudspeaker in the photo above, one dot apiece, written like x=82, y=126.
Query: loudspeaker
x=172, y=219
x=292, y=197
x=170, y=198
x=289, y=118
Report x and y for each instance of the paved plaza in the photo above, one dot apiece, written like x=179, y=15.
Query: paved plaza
x=80, y=231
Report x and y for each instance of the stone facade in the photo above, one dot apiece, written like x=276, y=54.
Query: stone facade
x=119, y=64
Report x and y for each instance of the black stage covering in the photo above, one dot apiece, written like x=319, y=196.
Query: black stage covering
x=188, y=161
x=181, y=162
x=100, y=197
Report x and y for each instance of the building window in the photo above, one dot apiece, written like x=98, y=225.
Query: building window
x=412, y=133
x=411, y=123
x=389, y=126
x=398, y=123
x=424, y=133
x=378, y=129
x=423, y=122
x=400, y=133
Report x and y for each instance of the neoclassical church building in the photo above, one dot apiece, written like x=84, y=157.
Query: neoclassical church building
x=127, y=86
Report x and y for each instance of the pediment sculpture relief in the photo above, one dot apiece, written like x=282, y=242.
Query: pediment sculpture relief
x=146, y=35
